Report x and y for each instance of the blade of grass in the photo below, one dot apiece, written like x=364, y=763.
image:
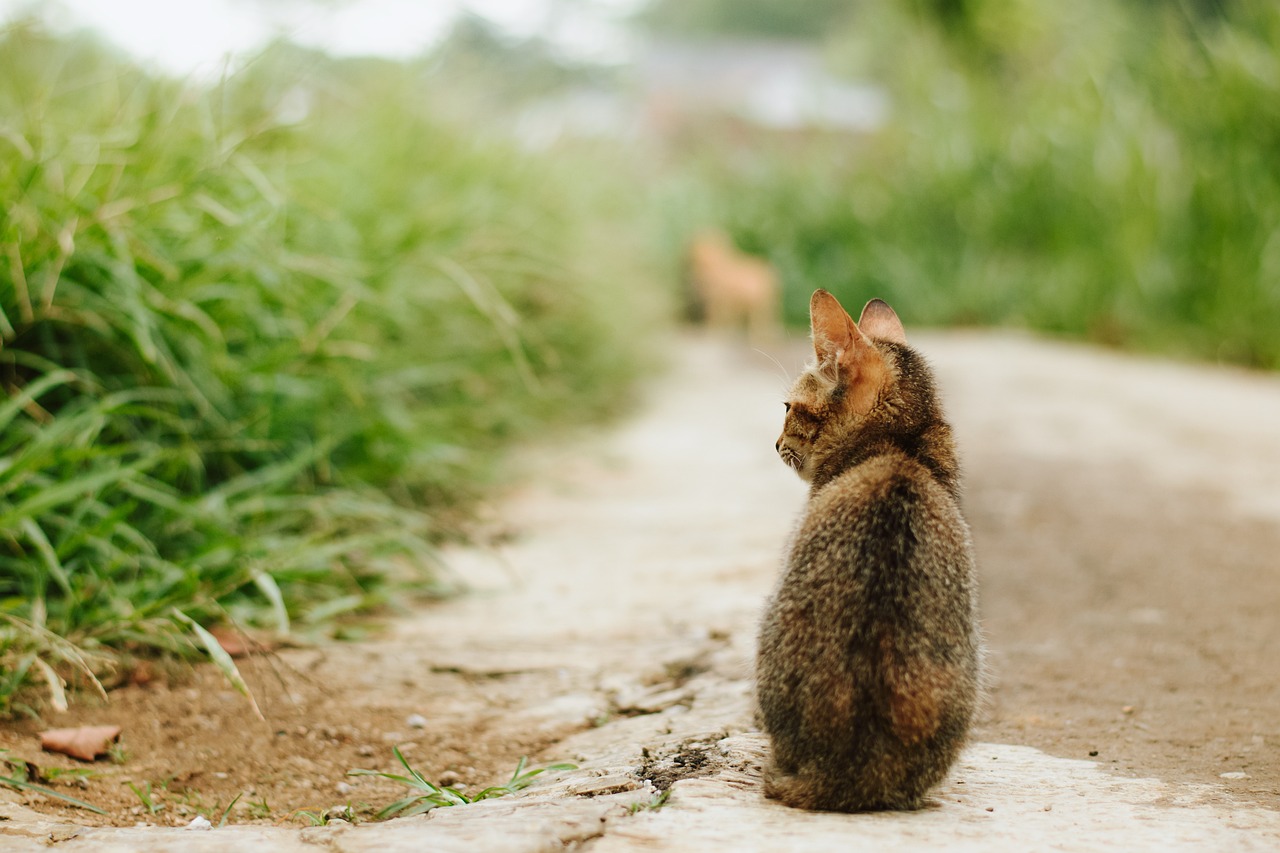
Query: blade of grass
x=22, y=785
x=221, y=659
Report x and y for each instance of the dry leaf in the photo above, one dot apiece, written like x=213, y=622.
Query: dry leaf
x=85, y=742
x=237, y=643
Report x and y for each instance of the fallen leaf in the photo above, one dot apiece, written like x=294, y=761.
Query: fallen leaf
x=237, y=643
x=84, y=742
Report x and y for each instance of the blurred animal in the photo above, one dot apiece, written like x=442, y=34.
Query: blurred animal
x=869, y=660
x=732, y=289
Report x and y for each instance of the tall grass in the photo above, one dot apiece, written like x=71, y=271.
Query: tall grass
x=254, y=335
x=1095, y=169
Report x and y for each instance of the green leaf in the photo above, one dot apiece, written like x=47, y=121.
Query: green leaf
x=220, y=659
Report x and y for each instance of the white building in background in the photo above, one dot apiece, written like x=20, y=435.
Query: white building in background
x=776, y=85
x=675, y=85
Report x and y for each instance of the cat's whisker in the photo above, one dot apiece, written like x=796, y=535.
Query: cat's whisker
x=786, y=377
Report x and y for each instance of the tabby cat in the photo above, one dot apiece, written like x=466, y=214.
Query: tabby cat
x=869, y=660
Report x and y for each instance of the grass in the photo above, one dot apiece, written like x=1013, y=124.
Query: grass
x=260, y=337
x=146, y=797
x=20, y=775
x=1093, y=170
x=428, y=796
x=257, y=337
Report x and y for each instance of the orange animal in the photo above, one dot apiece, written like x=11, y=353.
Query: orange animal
x=732, y=288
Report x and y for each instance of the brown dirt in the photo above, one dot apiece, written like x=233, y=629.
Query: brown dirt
x=1131, y=624
x=198, y=745
x=1130, y=620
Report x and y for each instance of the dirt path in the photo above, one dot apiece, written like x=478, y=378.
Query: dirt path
x=1127, y=519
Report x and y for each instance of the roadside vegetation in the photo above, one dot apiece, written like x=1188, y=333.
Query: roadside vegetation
x=259, y=336
x=264, y=339
x=1103, y=169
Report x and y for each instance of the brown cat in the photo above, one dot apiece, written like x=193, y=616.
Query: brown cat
x=869, y=661
x=733, y=288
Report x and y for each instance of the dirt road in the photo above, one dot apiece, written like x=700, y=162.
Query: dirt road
x=1126, y=515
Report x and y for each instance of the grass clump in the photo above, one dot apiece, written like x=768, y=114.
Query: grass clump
x=255, y=335
x=430, y=796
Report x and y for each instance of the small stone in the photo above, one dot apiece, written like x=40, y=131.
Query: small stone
x=344, y=787
x=1093, y=753
x=199, y=822
x=449, y=778
x=365, y=750
x=1235, y=774
x=416, y=721
x=1049, y=807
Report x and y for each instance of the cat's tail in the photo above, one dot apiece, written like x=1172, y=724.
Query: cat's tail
x=821, y=790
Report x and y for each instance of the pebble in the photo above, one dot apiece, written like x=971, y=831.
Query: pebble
x=416, y=721
x=199, y=822
x=1235, y=774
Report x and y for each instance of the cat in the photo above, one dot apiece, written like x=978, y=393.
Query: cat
x=869, y=664
x=732, y=288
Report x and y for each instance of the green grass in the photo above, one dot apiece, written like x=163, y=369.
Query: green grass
x=22, y=776
x=428, y=795
x=1096, y=170
x=257, y=336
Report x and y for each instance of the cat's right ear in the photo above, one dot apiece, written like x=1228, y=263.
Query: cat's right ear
x=832, y=330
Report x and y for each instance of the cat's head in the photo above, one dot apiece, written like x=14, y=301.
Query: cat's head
x=853, y=383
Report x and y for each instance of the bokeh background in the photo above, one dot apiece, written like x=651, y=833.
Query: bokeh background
x=284, y=282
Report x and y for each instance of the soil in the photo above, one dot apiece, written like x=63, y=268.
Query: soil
x=1123, y=512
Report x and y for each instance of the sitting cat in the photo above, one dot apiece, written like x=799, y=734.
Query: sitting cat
x=869, y=660
x=733, y=289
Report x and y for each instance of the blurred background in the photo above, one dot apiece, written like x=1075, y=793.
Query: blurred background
x=282, y=280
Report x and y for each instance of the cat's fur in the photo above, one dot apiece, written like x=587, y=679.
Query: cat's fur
x=869, y=662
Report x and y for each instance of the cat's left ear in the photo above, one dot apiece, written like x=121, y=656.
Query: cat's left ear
x=878, y=320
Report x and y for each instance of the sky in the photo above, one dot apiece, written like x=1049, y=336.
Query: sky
x=194, y=37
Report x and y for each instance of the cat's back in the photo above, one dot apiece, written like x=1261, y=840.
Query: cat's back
x=887, y=509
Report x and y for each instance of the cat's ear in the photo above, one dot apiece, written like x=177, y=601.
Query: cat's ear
x=832, y=329
x=879, y=321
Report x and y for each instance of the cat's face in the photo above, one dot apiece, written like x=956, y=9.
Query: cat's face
x=832, y=398
x=808, y=410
